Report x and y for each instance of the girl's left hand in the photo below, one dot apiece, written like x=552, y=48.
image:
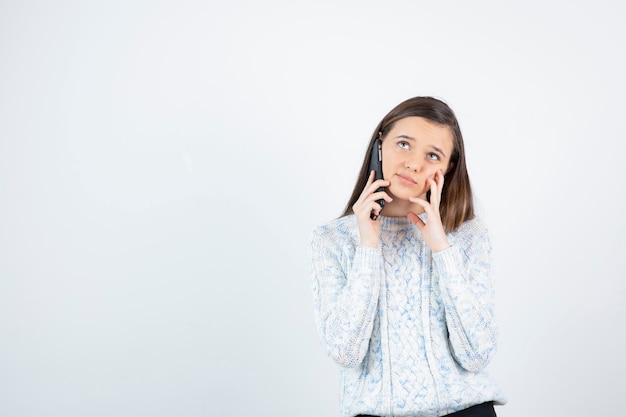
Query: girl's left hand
x=433, y=231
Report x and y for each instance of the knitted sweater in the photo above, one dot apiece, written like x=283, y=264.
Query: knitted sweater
x=411, y=330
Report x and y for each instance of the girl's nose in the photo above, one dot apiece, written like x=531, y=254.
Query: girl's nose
x=412, y=164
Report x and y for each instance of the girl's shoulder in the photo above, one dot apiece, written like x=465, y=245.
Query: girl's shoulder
x=471, y=232
x=339, y=230
x=474, y=226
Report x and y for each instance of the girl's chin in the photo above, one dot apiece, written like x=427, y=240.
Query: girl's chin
x=405, y=194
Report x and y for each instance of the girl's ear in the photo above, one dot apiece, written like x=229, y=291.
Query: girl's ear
x=450, y=166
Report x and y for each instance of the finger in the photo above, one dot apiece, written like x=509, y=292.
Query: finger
x=425, y=204
x=428, y=207
x=442, y=178
x=439, y=179
x=370, y=193
x=364, y=193
x=376, y=208
x=371, y=203
x=376, y=185
x=435, y=192
x=415, y=219
x=373, y=185
x=369, y=182
x=381, y=195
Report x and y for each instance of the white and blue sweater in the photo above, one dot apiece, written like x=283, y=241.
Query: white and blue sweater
x=411, y=330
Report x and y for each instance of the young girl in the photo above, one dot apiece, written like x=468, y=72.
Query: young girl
x=404, y=304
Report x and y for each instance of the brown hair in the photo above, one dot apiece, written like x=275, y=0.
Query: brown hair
x=457, y=202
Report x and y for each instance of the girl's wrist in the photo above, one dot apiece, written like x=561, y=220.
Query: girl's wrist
x=442, y=247
x=368, y=243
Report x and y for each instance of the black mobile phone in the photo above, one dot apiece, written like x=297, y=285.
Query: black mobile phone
x=376, y=164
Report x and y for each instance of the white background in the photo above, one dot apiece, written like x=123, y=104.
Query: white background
x=162, y=164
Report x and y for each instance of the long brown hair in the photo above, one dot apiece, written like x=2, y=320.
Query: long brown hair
x=457, y=202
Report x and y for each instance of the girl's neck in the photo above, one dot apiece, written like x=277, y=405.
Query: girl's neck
x=400, y=208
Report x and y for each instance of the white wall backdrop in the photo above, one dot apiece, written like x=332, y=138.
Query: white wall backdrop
x=162, y=164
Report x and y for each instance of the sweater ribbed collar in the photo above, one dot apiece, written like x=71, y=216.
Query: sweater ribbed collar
x=398, y=223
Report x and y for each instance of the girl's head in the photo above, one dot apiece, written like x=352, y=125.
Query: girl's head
x=421, y=136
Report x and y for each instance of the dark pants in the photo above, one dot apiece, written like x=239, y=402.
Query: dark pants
x=480, y=410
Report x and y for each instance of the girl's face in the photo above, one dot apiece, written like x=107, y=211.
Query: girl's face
x=413, y=151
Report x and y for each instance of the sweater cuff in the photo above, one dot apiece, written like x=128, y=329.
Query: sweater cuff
x=446, y=261
x=367, y=257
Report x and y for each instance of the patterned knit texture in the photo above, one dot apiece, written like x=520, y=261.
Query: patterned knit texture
x=411, y=331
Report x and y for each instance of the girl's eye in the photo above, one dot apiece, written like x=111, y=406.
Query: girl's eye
x=403, y=144
x=433, y=156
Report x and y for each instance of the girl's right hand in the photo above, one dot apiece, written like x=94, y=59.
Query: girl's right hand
x=369, y=229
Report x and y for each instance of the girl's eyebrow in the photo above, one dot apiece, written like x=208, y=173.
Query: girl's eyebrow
x=404, y=137
x=432, y=146
x=438, y=150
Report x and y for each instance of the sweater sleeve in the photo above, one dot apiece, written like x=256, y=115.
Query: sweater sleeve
x=466, y=285
x=345, y=295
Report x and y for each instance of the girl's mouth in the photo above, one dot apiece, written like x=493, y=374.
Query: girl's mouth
x=406, y=180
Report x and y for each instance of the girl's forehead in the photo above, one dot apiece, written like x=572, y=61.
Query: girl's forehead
x=420, y=129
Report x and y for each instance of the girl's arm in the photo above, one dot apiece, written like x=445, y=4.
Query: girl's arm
x=345, y=297
x=466, y=283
